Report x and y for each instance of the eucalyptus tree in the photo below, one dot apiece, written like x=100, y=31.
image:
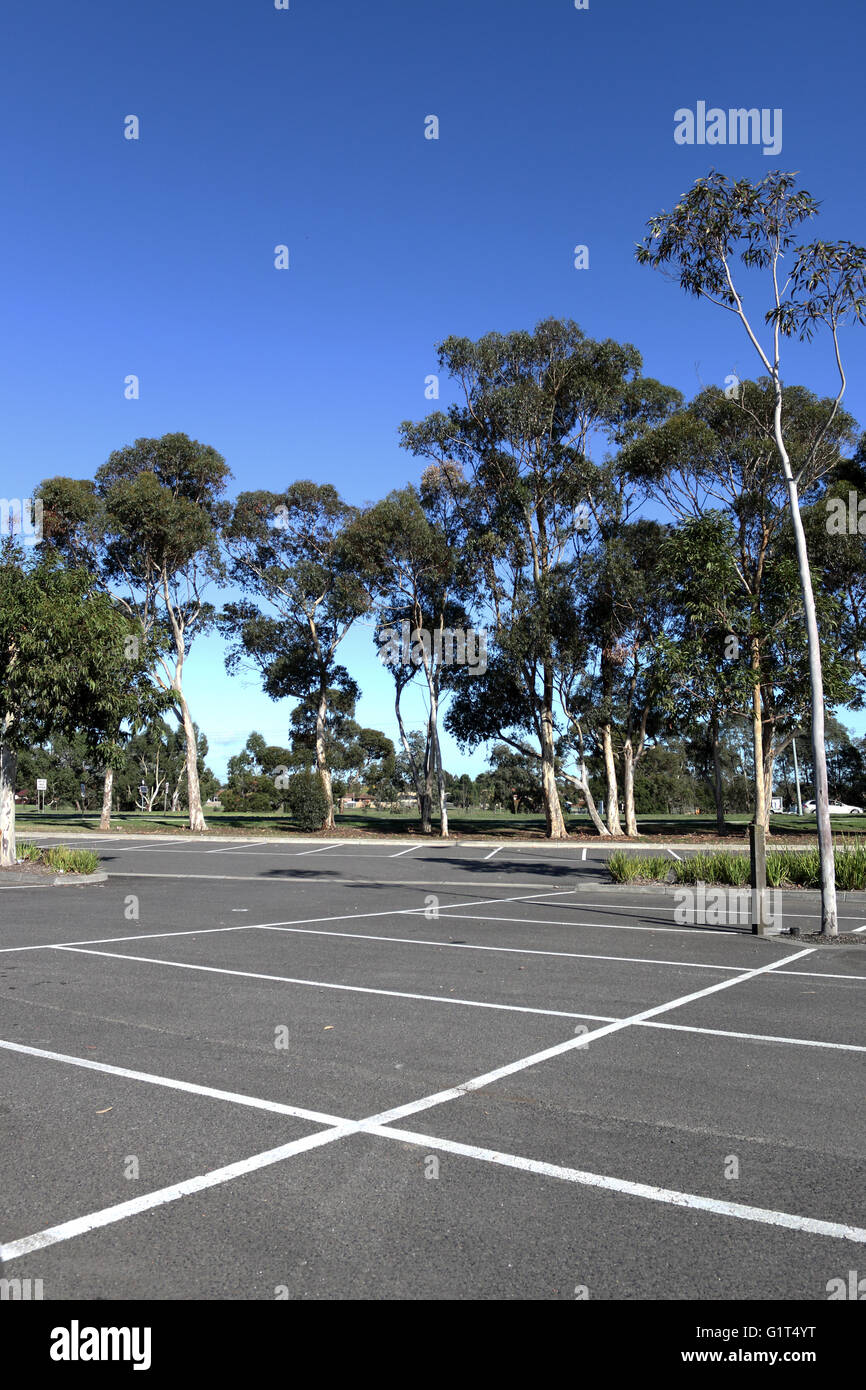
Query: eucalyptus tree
x=63, y=668
x=301, y=553
x=146, y=529
x=532, y=405
x=423, y=581
x=714, y=466
x=809, y=285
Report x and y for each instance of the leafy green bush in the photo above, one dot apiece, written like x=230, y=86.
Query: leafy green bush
x=306, y=800
x=72, y=861
x=25, y=850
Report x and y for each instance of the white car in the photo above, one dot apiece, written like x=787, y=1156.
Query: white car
x=837, y=808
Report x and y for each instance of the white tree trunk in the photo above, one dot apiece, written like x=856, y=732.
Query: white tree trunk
x=107, y=790
x=8, y=769
x=321, y=759
x=196, y=815
x=758, y=739
x=556, y=828
x=628, y=763
x=829, y=914
x=612, y=794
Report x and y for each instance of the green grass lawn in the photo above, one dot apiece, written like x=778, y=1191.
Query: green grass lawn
x=494, y=824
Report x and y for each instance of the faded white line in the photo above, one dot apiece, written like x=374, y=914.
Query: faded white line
x=493, y=852
x=400, y=853
x=321, y=850
x=676, y=856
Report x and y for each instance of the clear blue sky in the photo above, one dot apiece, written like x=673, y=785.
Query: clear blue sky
x=306, y=127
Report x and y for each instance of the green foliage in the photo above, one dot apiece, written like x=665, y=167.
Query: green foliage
x=307, y=801
x=72, y=861
x=627, y=868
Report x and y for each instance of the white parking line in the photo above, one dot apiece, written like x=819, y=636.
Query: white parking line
x=324, y=984
x=676, y=856
x=336, y=845
x=400, y=853
x=763, y=1215
x=234, y=1097
x=380, y=1125
x=508, y=950
x=583, y=856
x=494, y=851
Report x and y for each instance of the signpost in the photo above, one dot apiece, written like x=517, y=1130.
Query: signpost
x=41, y=789
x=143, y=791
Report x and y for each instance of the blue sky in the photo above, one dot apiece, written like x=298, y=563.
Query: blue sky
x=305, y=127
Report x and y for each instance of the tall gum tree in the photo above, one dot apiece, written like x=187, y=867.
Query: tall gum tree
x=422, y=580
x=301, y=552
x=530, y=406
x=147, y=529
x=714, y=465
x=818, y=284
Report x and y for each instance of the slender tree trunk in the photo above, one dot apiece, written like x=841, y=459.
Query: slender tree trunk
x=718, y=785
x=417, y=778
x=612, y=792
x=829, y=915
x=628, y=763
x=427, y=807
x=107, y=789
x=321, y=759
x=758, y=738
x=440, y=781
x=196, y=815
x=8, y=770
x=556, y=829
x=769, y=759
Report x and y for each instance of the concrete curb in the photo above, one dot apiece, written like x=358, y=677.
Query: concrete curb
x=11, y=879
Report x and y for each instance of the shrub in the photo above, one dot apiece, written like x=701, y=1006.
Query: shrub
x=625, y=868
x=25, y=850
x=72, y=861
x=306, y=800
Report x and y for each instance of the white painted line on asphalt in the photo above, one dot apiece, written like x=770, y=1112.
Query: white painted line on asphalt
x=324, y=984
x=676, y=856
x=212, y=1093
x=763, y=1215
x=149, y=1200
x=335, y=845
x=603, y=926
x=494, y=851
x=298, y=922
x=400, y=853
x=859, y=929
x=378, y=1123
x=754, y=1037
x=509, y=950
x=583, y=856
x=478, y=1082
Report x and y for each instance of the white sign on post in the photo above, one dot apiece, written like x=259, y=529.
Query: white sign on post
x=42, y=784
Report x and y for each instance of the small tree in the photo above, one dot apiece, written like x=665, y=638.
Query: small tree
x=307, y=800
x=63, y=668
